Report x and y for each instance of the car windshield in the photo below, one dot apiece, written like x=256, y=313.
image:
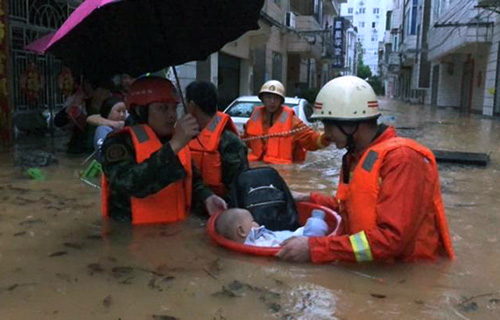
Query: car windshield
x=244, y=109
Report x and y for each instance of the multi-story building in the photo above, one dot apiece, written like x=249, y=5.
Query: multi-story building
x=464, y=60
x=369, y=17
x=294, y=45
x=442, y=53
x=405, y=50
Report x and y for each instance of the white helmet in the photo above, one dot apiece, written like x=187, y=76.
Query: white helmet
x=274, y=87
x=346, y=98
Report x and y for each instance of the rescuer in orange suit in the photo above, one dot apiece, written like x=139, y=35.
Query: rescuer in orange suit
x=292, y=136
x=217, y=151
x=388, y=196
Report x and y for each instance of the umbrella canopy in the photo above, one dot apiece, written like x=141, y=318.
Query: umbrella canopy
x=105, y=37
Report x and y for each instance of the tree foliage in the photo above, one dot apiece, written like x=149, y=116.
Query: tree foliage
x=364, y=71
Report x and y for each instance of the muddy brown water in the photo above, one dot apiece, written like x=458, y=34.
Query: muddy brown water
x=54, y=264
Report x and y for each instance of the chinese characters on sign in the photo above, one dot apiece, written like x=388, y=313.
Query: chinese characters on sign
x=338, y=42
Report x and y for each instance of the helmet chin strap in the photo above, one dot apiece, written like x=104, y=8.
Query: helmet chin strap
x=350, y=137
x=346, y=173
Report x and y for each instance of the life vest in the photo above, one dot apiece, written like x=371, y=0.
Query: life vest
x=170, y=204
x=205, y=151
x=357, y=201
x=280, y=149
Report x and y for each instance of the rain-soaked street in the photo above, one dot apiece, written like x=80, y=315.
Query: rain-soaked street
x=55, y=263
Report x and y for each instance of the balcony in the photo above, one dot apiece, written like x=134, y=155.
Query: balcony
x=393, y=59
x=333, y=6
x=444, y=40
x=307, y=23
x=308, y=40
x=408, y=50
x=458, y=31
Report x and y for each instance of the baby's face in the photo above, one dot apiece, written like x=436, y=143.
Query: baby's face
x=247, y=221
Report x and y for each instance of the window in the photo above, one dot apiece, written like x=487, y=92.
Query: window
x=374, y=24
x=244, y=109
x=414, y=8
x=376, y=10
x=362, y=10
x=388, y=21
x=361, y=24
x=411, y=18
x=361, y=38
x=374, y=38
x=395, y=44
x=349, y=10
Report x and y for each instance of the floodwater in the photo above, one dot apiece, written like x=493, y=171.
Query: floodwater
x=55, y=263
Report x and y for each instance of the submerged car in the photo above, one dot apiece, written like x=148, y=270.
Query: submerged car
x=240, y=110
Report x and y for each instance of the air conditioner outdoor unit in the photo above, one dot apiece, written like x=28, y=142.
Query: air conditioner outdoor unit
x=290, y=19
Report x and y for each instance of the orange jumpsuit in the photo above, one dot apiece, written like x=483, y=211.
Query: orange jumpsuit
x=405, y=229
x=306, y=139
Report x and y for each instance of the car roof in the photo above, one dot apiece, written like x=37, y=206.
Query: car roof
x=256, y=99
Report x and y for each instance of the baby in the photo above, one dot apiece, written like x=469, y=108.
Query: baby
x=238, y=225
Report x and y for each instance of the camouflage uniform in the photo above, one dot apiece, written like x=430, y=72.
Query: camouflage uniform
x=234, y=160
x=127, y=178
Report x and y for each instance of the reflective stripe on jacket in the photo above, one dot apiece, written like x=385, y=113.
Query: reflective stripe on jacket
x=206, y=155
x=391, y=207
x=279, y=149
x=170, y=204
x=358, y=199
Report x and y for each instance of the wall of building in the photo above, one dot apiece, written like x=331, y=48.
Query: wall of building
x=478, y=83
x=450, y=82
x=365, y=33
x=491, y=71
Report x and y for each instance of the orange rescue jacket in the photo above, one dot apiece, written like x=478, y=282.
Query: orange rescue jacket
x=279, y=149
x=357, y=201
x=170, y=204
x=205, y=151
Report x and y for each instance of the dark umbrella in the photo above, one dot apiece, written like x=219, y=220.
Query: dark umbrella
x=106, y=37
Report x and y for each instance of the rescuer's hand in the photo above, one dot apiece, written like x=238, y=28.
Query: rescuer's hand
x=215, y=204
x=186, y=129
x=295, y=249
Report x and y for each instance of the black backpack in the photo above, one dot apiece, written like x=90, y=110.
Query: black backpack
x=264, y=193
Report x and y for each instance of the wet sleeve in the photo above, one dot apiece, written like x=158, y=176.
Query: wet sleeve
x=307, y=138
x=323, y=200
x=398, y=210
x=139, y=180
x=233, y=156
x=200, y=190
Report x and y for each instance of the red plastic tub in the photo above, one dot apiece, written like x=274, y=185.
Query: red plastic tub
x=304, y=209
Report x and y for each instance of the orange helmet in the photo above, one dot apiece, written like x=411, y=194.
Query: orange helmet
x=147, y=90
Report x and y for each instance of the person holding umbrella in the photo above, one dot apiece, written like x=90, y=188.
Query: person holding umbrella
x=148, y=172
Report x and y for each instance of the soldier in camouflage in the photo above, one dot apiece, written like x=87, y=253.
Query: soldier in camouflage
x=230, y=152
x=152, y=102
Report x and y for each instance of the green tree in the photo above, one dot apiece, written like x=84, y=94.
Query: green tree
x=364, y=71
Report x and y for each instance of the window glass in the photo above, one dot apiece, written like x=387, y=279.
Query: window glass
x=242, y=109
